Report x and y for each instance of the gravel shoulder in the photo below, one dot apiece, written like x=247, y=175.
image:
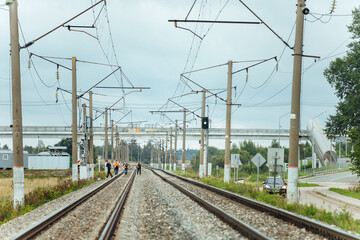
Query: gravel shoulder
x=156, y=210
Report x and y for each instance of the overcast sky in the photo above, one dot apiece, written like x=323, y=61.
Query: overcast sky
x=153, y=53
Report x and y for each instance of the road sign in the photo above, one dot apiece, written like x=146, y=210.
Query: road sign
x=275, y=154
x=304, y=162
x=286, y=166
x=235, y=160
x=258, y=160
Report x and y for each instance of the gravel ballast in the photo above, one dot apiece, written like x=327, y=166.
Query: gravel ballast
x=87, y=220
x=265, y=223
x=156, y=210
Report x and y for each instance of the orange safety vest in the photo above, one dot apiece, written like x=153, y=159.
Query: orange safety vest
x=79, y=163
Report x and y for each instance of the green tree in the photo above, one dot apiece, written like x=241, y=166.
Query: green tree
x=344, y=75
x=67, y=142
x=29, y=149
x=5, y=146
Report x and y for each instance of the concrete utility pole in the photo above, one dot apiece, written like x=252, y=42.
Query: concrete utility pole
x=91, y=154
x=293, y=173
x=18, y=168
x=166, y=146
x=151, y=157
x=162, y=154
x=83, y=167
x=228, y=125
x=171, y=157
x=106, y=134
x=117, y=144
x=201, y=167
x=112, y=141
x=74, y=123
x=175, y=147
x=159, y=155
x=85, y=135
x=206, y=144
x=183, y=150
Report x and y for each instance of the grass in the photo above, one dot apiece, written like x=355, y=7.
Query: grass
x=37, y=192
x=308, y=185
x=347, y=192
x=320, y=193
x=29, y=186
x=341, y=219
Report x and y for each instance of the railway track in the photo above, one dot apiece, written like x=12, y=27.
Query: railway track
x=52, y=225
x=229, y=202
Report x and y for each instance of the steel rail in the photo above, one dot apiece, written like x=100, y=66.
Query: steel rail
x=243, y=228
x=311, y=225
x=37, y=228
x=116, y=213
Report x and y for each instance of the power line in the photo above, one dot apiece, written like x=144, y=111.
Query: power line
x=266, y=25
x=61, y=25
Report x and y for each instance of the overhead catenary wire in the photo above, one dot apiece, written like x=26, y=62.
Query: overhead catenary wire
x=199, y=46
x=277, y=35
x=61, y=25
x=263, y=61
x=100, y=81
x=267, y=81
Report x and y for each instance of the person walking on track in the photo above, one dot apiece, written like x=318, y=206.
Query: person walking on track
x=126, y=166
x=138, y=168
x=116, y=166
x=108, y=166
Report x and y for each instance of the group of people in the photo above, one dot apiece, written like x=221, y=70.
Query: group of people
x=117, y=166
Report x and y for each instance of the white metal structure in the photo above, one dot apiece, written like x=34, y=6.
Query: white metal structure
x=48, y=162
x=321, y=144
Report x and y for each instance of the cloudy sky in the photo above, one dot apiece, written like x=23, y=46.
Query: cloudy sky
x=153, y=53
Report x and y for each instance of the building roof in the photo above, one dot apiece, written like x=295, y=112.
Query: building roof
x=58, y=148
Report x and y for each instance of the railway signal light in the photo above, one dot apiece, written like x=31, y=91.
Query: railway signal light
x=204, y=122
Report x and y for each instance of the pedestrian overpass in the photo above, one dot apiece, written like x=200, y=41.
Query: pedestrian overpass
x=145, y=133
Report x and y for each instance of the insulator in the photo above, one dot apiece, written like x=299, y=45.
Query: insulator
x=29, y=64
x=277, y=66
x=333, y=7
x=57, y=97
x=247, y=77
x=57, y=75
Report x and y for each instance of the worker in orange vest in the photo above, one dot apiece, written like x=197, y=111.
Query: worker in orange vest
x=116, y=166
x=79, y=164
x=126, y=166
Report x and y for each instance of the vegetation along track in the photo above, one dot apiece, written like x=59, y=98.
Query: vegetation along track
x=275, y=222
x=83, y=218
